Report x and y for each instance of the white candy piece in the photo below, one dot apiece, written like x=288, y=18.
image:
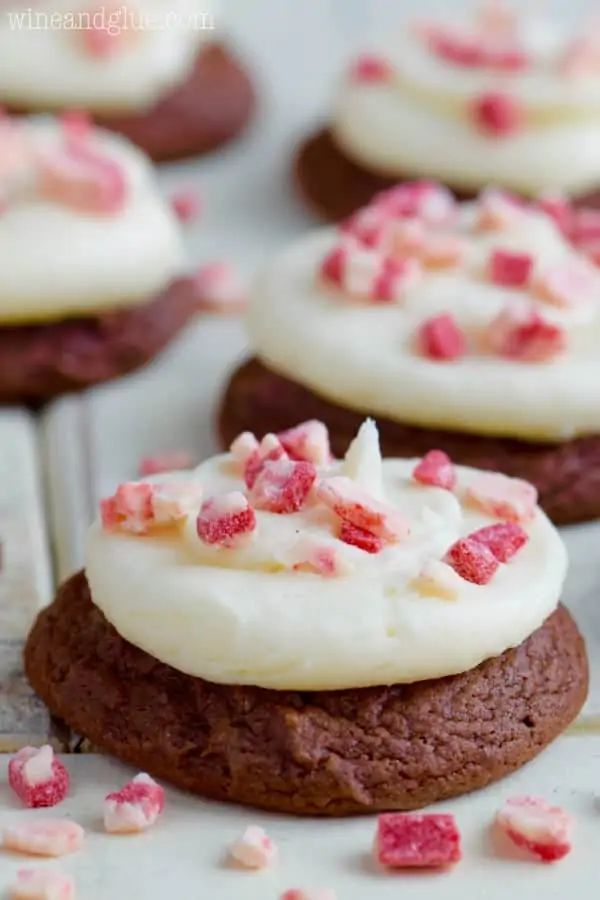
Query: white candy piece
x=38, y=767
x=254, y=850
x=362, y=462
x=42, y=884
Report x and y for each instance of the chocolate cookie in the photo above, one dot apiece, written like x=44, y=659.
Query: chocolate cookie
x=212, y=107
x=335, y=186
x=567, y=474
x=38, y=362
x=313, y=752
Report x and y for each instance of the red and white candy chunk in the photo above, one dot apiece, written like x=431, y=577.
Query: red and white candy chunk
x=367, y=274
x=535, y=826
x=321, y=557
x=254, y=850
x=80, y=175
x=497, y=210
x=46, y=837
x=42, y=884
x=566, y=285
x=226, y=520
x=427, y=200
x=37, y=777
x=283, y=486
x=243, y=447
x=436, y=469
x=136, y=807
x=270, y=449
x=441, y=338
x=359, y=509
x=371, y=69
x=526, y=336
x=506, y=498
x=509, y=268
x=417, y=840
x=497, y=115
x=472, y=560
x=219, y=288
x=308, y=442
x=504, y=539
x=138, y=507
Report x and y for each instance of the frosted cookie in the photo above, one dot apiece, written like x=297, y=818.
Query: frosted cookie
x=497, y=97
x=91, y=256
x=473, y=328
x=154, y=71
x=316, y=636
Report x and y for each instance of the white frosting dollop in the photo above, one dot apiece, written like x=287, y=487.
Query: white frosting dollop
x=59, y=262
x=417, y=124
x=242, y=616
x=363, y=356
x=48, y=68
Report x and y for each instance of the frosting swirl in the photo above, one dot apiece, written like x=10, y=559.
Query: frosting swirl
x=240, y=605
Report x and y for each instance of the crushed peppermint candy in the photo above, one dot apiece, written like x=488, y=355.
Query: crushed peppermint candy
x=472, y=560
x=44, y=837
x=525, y=335
x=186, y=205
x=322, y=558
x=80, y=175
x=510, y=268
x=226, y=520
x=504, y=539
x=37, y=777
x=360, y=509
x=139, y=507
x=497, y=210
x=497, y=115
x=417, y=840
x=307, y=442
x=270, y=449
x=134, y=808
x=254, y=849
x=42, y=884
x=566, y=285
x=441, y=338
x=436, y=469
x=535, y=826
x=220, y=289
x=371, y=69
x=243, y=447
x=359, y=537
x=283, y=486
x=506, y=498
x=366, y=274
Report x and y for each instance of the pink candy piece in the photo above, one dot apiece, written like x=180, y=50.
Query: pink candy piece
x=46, y=837
x=308, y=442
x=220, y=289
x=254, y=850
x=472, y=560
x=394, y=279
x=299, y=894
x=312, y=555
x=76, y=125
x=170, y=461
x=535, y=826
x=441, y=338
x=436, y=469
x=243, y=447
x=367, y=274
x=497, y=115
x=226, y=520
x=137, y=507
x=506, y=498
x=283, y=486
x=417, y=840
x=42, y=884
x=504, y=539
x=186, y=205
x=498, y=210
x=585, y=225
x=358, y=508
x=426, y=200
x=269, y=450
x=371, y=69
x=524, y=335
x=358, y=537
x=80, y=176
x=509, y=268
x=566, y=285
x=136, y=807
x=37, y=777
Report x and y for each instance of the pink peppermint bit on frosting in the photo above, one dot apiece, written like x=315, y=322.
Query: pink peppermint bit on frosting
x=371, y=69
x=136, y=807
x=566, y=285
x=186, y=205
x=510, y=268
x=358, y=508
x=367, y=274
x=358, y=537
x=504, y=539
x=535, y=826
x=170, y=461
x=254, y=850
x=312, y=555
x=417, y=840
x=270, y=449
x=76, y=125
x=81, y=176
x=426, y=200
x=226, y=520
x=506, y=498
x=37, y=777
x=243, y=447
x=498, y=210
x=525, y=335
x=220, y=289
x=137, y=507
x=42, y=884
x=497, y=115
x=307, y=442
x=436, y=469
x=283, y=486
x=441, y=338
x=472, y=560
x=46, y=837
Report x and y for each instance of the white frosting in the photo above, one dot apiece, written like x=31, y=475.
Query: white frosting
x=58, y=262
x=238, y=617
x=418, y=125
x=49, y=68
x=363, y=356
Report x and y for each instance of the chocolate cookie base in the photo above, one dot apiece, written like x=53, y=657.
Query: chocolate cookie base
x=312, y=752
x=38, y=362
x=567, y=475
x=335, y=186
x=211, y=108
